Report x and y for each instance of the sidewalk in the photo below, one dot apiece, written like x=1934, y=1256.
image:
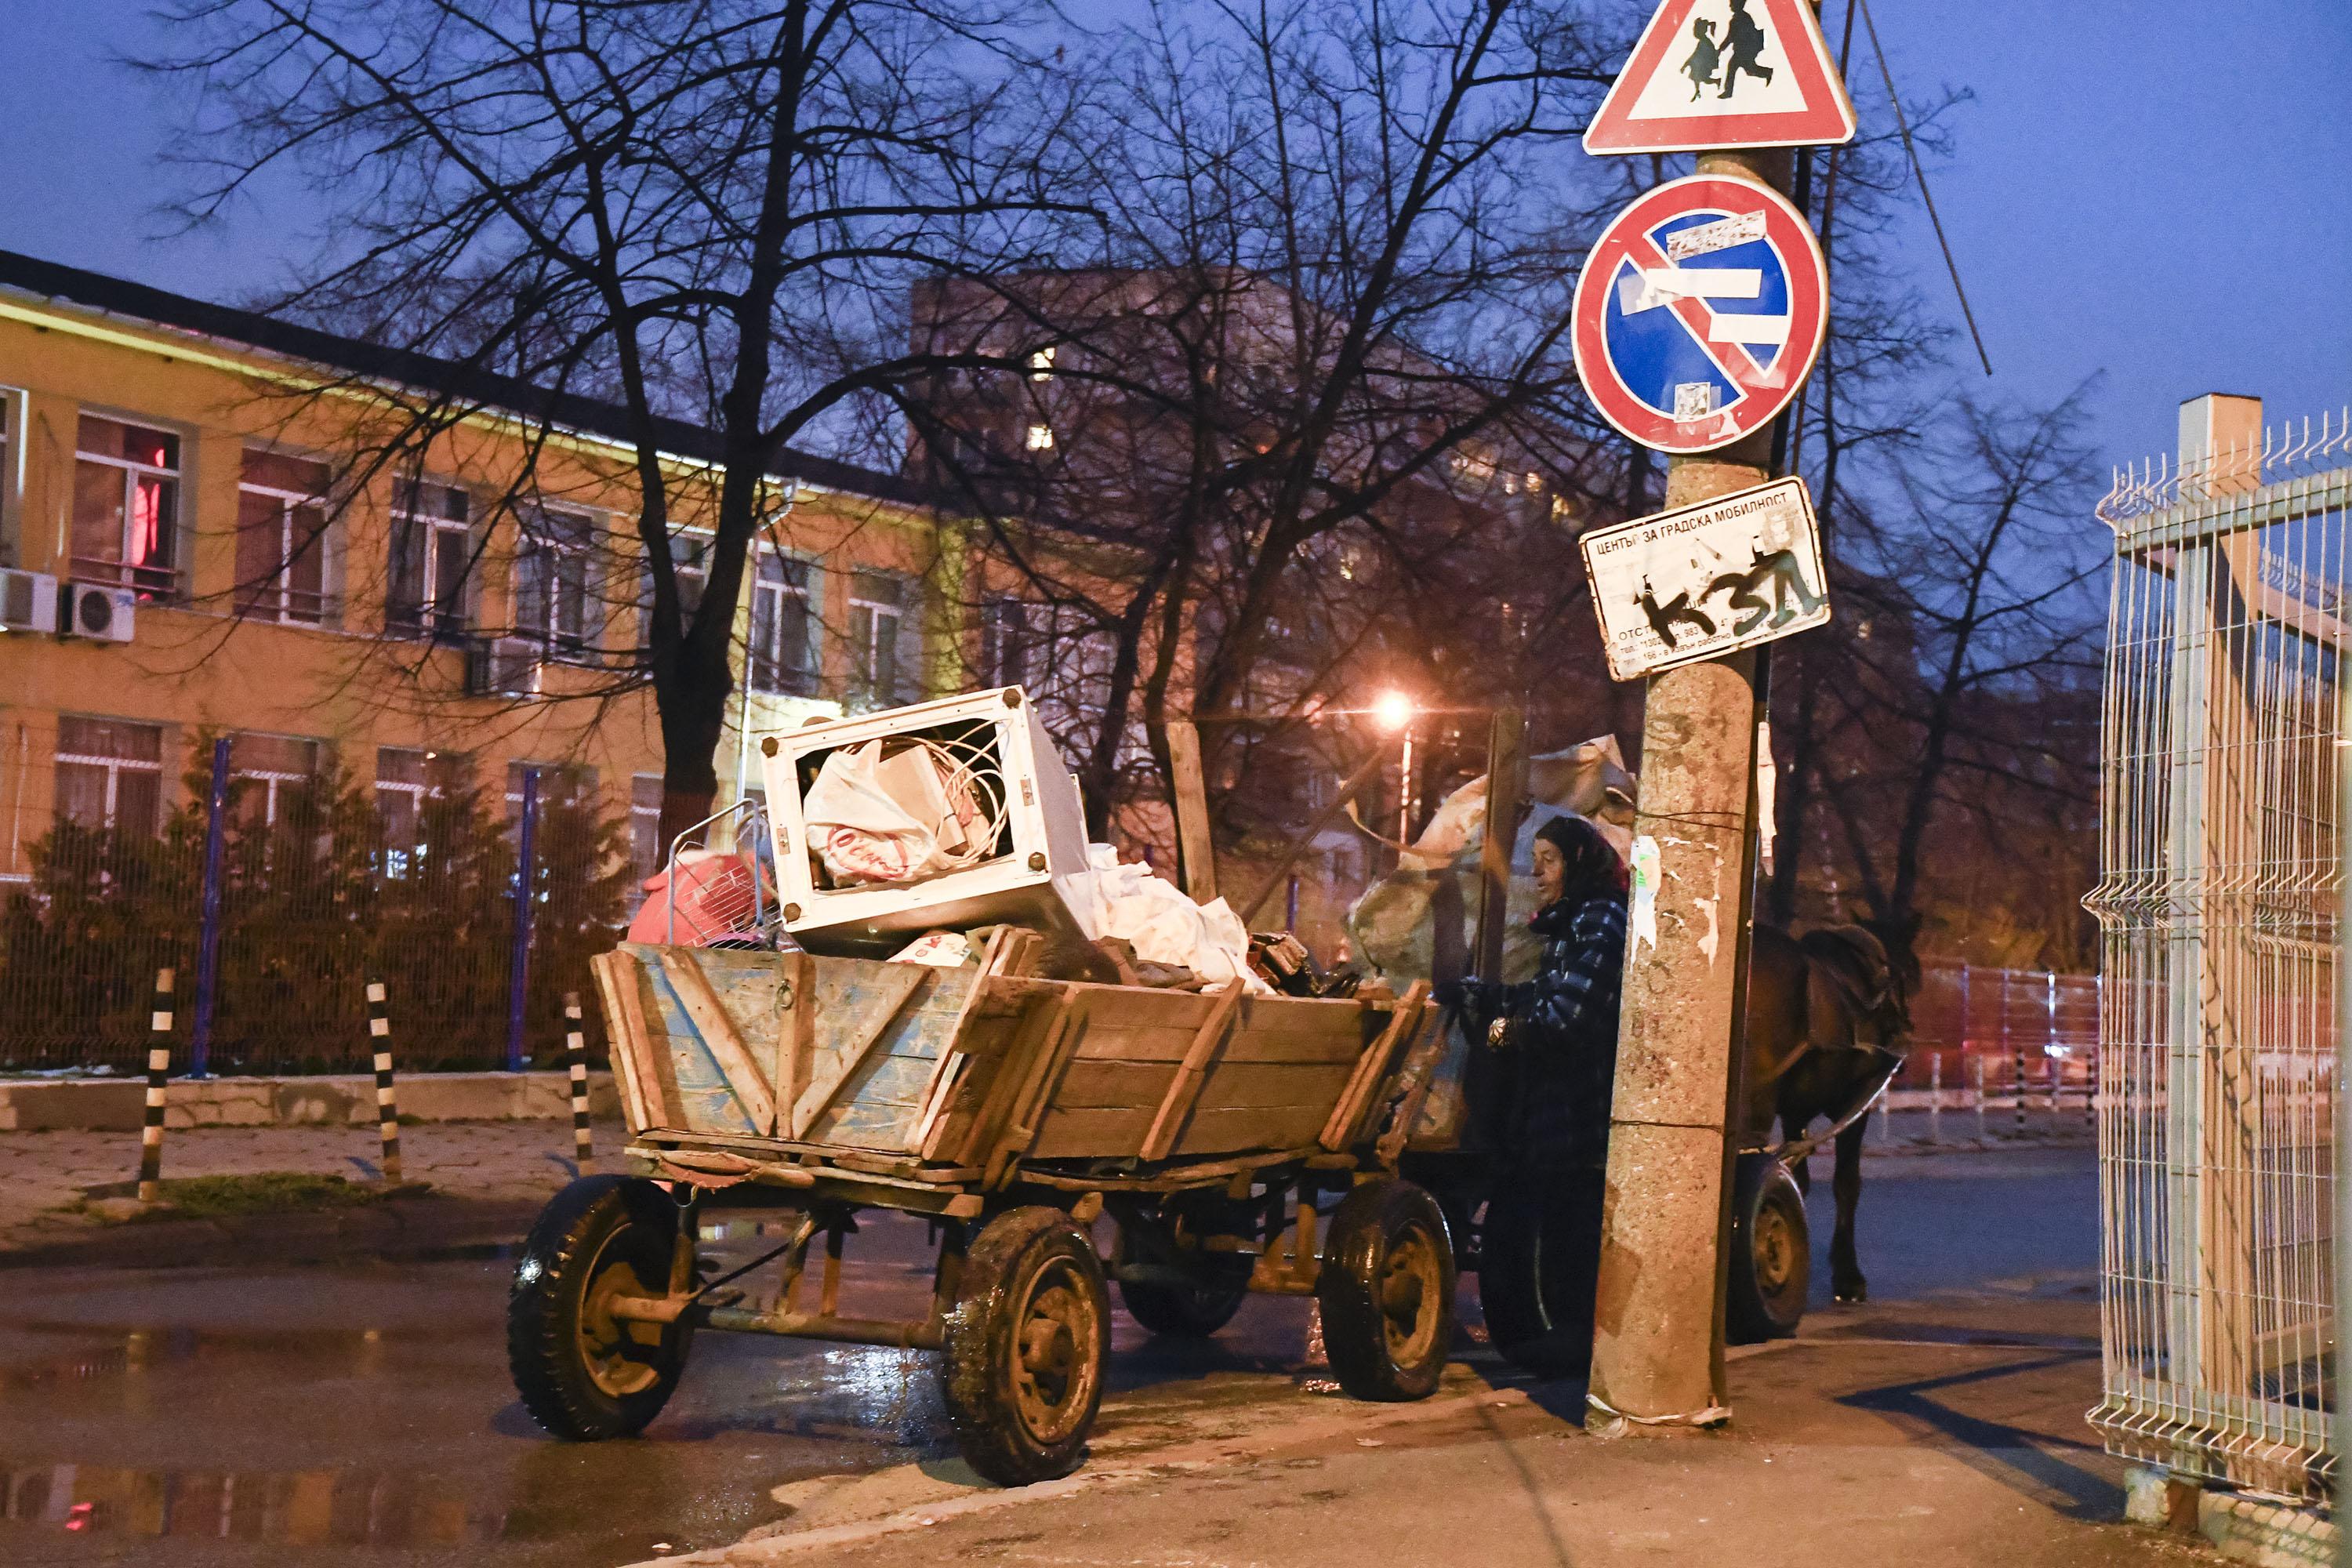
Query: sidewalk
x=1937, y=1432
x=63, y=1194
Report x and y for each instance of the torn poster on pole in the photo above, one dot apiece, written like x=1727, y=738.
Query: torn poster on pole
x=1706, y=580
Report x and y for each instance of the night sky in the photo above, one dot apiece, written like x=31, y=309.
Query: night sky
x=2156, y=191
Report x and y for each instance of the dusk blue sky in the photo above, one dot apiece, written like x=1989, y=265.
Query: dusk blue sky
x=2156, y=191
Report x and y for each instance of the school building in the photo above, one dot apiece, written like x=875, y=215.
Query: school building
x=188, y=548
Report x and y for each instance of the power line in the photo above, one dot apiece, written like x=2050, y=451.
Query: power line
x=1921, y=173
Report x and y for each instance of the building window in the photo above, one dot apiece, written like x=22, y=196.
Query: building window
x=560, y=783
x=281, y=537
x=876, y=621
x=264, y=772
x=1041, y=363
x=406, y=779
x=1006, y=635
x=784, y=645
x=645, y=825
x=432, y=558
x=126, y=506
x=110, y=773
x=8, y=543
x=551, y=580
x=1040, y=438
x=689, y=563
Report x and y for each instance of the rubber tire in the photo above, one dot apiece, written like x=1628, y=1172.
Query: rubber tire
x=573, y=1232
x=1367, y=1229
x=1766, y=1203
x=978, y=1378
x=1185, y=1311
x=1540, y=1257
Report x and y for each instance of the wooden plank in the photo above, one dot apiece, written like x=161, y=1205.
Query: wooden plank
x=1194, y=844
x=1340, y=1131
x=1025, y=1106
x=874, y=1003
x=998, y=1094
x=718, y=1032
x=1141, y=1086
x=621, y=1022
x=1250, y=1041
x=1507, y=788
x=1108, y=1134
x=1186, y=1086
x=796, y=1045
x=951, y=1053
x=629, y=978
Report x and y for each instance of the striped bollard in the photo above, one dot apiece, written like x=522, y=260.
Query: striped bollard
x=387, y=1111
x=159, y=1069
x=576, y=1047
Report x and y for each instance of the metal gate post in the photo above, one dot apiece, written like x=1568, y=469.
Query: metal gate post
x=200, y=1032
x=519, y=968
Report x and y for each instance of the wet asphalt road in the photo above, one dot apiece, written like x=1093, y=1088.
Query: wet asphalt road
x=363, y=1415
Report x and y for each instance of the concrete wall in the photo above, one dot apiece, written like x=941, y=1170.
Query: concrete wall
x=118, y=1105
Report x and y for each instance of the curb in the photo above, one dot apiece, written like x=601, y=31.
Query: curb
x=328, y=1100
x=401, y=1227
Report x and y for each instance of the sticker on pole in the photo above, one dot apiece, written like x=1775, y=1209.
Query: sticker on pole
x=1725, y=73
x=1707, y=580
x=1700, y=312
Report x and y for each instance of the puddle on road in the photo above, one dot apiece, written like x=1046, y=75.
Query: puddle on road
x=306, y=1507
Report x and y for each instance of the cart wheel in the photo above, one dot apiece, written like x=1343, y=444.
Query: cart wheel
x=1022, y=1373
x=582, y=1374
x=1771, y=1253
x=1540, y=1261
x=1192, y=1311
x=1387, y=1291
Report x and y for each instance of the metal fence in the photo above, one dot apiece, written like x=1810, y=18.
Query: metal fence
x=307, y=883
x=2218, y=905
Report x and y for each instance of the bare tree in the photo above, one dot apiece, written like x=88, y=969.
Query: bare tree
x=705, y=211
x=1320, y=350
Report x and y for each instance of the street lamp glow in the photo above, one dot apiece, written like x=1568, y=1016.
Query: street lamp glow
x=1393, y=710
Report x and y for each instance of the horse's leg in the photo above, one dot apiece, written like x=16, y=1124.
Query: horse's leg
x=1845, y=1272
x=1792, y=1128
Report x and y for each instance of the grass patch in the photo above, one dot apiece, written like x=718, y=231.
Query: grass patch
x=262, y=1192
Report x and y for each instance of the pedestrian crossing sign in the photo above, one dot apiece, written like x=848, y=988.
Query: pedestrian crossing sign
x=1725, y=73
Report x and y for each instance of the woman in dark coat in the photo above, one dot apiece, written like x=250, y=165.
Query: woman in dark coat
x=1546, y=1087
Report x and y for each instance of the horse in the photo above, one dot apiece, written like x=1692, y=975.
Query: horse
x=1829, y=1022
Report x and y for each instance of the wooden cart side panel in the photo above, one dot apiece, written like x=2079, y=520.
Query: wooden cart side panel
x=876, y=1046
x=1272, y=1086
x=624, y=1027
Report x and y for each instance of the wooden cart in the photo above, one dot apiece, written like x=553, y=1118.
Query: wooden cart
x=1217, y=1130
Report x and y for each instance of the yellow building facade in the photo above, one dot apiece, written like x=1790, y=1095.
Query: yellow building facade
x=192, y=546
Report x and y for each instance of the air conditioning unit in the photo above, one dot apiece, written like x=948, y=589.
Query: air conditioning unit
x=503, y=666
x=96, y=611
x=28, y=601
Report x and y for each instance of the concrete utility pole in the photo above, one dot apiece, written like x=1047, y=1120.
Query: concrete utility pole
x=1657, y=1352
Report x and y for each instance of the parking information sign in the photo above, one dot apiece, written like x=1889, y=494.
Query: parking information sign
x=1706, y=580
x=1700, y=312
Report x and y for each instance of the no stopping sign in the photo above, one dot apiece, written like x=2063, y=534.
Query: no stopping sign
x=1700, y=312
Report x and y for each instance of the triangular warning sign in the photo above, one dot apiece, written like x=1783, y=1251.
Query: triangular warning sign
x=1725, y=73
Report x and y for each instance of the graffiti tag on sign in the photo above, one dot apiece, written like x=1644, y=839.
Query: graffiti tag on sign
x=1707, y=580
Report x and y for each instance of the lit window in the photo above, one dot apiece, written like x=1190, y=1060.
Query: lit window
x=405, y=780
x=281, y=539
x=432, y=556
x=1041, y=437
x=110, y=773
x=126, y=506
x=1041, y=365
